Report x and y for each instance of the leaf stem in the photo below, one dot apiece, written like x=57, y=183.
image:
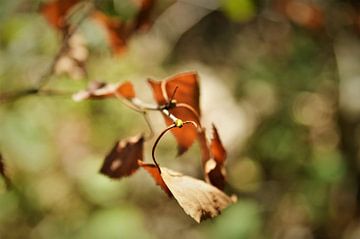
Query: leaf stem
x=162, y=134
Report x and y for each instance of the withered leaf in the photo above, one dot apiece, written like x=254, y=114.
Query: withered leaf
x=123, y=158
x=55, y=12
x=213, y=159
x=98, y=90
x=199, y=199
x=187, y=93
x=119, y=32
x=142, y=21
x=154, y=172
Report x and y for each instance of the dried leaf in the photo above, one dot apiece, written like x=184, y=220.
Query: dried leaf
x=199, y=200
x=143, y=17
x=123, y=158
x=119, y=32
x=154, y=172
x=126, y=90
x=55, y=13
x=116, y=30
x=100, y=90
x=213, y=159
x=187, y=93
x=217, y=173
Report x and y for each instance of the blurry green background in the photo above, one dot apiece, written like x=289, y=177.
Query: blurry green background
x=280, y=80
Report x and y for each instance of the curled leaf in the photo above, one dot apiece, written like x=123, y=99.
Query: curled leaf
x=197, y=198
x=187, y=93
x=213, y=159
x=123, y=158
x=155, y=173
x=99, y=90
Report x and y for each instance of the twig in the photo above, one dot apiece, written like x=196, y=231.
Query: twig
x=162, y=134
x=46, y=76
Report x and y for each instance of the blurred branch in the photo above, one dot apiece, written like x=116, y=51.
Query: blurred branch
x=46, y=76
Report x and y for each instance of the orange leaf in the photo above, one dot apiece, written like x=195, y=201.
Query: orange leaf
x=122, y=159
x=55, y=12
x=143, y=17
x=199, y=200
x=154, y=172
x=98, y=90
x=126, y=90
x=213, y=159
x=187, y=93
x=119, y=32
x=116, y=30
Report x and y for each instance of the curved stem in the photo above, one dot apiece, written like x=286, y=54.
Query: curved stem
x=162, y=134
x=156, y=143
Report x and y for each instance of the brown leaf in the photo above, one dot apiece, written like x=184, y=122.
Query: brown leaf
x=216, y=174
x=154, y=172
x=55, y=13
x=116, y=30
x=213, y=159
x=123, y=158
x=199, y=200
x=142, y=20
x=126, y=90
x=100, y=90
x=119, y=32
x=187, y=93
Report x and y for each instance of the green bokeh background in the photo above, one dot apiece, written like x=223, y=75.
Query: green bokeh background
x=285, y=98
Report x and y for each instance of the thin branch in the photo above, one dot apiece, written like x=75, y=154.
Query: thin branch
x=46, y=76
x=148, y=122
x=162, y=134
x=156, y=143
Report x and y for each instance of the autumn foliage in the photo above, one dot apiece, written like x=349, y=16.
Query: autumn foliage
x=178, y=100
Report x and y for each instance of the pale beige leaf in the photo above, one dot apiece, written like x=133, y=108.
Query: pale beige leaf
x=199, y=199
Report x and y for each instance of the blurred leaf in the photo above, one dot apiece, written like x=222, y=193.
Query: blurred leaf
x=99, y=90
x=56, y=12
